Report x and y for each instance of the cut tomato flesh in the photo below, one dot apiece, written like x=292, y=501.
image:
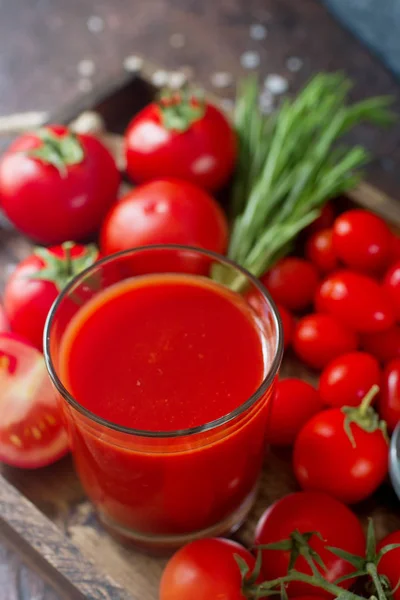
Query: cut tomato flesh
x=31, y=430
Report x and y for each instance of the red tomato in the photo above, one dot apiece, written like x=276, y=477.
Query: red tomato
x=389, y=399
x=165, y=212
x=319, y=338
x=307, y=512
x=36, y=283
x=57, y=186
x=326, y=459
x=389, y=563
x=325, y=219
x=384, y=345
x=395, y=253
x=197, y=145
x=347, y=378
x=31, y=433
x=295, y=402
x=319, y=249
x=356, y=300
x=362, y=240
x=288, y=324
x=292, y=282
x=205, y=569
x=4, y=325
x=391, y=283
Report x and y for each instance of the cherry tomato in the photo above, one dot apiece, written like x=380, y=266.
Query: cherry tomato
x=384, y=345
x=319, y=250
x=307, y=512
x=182, y=138
x=389, y=399
x=292, y=282
x=356, y=300
x=4, y=325
x=31, y=432
x=165, y=212
x=57, y=186
x=389, y=563
x=205, y=569
x=325, y=219
x=395, y=246
x=295, y=402
x=342, y=452
x=347, y=378
x=320, y=338
x=391, y=283
x=288, y=324
x=362, y=240
x=36, y=283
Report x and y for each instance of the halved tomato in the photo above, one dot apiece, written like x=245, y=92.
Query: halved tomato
x=31, y=430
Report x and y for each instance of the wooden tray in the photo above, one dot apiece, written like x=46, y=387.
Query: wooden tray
x=45, y=515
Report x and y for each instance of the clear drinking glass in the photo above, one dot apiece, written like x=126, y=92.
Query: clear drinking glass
x=163, y=489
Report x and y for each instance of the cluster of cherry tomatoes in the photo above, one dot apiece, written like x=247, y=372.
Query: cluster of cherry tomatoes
x=351, y=275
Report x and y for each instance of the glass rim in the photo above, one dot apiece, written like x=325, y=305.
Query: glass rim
x=259, y=392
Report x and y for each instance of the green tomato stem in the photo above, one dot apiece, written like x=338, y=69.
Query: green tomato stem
x=373, y=573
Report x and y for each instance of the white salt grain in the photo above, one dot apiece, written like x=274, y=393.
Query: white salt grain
x=276, y=84
x=258, y=32
x=221, y=79
x=160, y=78
x=176, y=79
x=95, y=24
x=133, y=63
x=250, y=60
x=86, y=67
x=294, y=64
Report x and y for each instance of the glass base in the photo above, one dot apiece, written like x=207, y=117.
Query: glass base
x=166, y=544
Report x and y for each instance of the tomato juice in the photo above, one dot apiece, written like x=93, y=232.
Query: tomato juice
x=170, y=372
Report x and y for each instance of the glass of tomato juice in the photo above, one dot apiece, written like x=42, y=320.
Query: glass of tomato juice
x=164, y=359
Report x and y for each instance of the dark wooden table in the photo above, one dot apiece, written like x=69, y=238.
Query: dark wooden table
x=52, y=50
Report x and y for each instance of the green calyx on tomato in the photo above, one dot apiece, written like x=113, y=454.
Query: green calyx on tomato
x=179, y=110
x=61, y=269
x=298, y=545
x=58, y=150
x=364, y=416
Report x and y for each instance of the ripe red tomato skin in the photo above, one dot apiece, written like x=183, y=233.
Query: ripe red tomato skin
x=362, y=240
x=292, y=282
x=319, y=338
x=389, y=398
x=51, y=209
x=325, y=461
x=347, y=378
x=295, y=402
x=395, y=246
x=319, y=250
x=189, y=216
x=154, y=152
x=288, y=324
x=391, y=284
x=357, y=300
x=310, y=511
x=28, y=301
x=389, y=563
x=203, y=569
x=325, y=219
x=384, y=345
